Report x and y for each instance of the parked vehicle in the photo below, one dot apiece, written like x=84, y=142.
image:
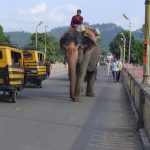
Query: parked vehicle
x=11, y=72
x=35, y=68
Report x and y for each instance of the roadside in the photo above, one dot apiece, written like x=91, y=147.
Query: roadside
x=58, y=69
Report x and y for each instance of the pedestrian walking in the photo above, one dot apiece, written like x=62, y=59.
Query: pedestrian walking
x=108, y=64
x=48, y=68
x=115, y=69
x=119, y=71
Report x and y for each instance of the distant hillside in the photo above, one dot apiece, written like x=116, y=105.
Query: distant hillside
x=58, y=32
x=21, y=39
x=108, y=31
x=138, y=34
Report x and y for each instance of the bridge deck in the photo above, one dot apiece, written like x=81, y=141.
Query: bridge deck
x=111, y=123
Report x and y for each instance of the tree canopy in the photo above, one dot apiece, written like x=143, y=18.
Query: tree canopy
x=52, y=46
x=3, y=39
x=136, y=49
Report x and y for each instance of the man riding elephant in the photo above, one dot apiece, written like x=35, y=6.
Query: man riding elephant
x=77, y=19
x=77, y=22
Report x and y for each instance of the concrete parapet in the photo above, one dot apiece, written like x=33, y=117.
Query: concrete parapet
x=58, y=69
x=140, y=97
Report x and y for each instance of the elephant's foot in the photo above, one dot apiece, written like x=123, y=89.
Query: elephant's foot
x=75, y=99
x=90, y=94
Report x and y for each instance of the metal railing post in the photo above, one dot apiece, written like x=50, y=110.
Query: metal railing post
x=146, y=57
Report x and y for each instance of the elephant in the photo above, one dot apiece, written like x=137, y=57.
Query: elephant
x=82, y=55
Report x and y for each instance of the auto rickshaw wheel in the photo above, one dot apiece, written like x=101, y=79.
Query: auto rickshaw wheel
x=14, y=96
x=39, y=84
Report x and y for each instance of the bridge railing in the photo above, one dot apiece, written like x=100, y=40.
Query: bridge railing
x=140, y=97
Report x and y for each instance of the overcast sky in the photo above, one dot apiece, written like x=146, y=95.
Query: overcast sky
x=24, y=15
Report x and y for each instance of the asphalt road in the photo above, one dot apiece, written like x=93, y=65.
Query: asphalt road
x=46, y=119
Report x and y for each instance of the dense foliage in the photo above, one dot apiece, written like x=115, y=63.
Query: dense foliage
x=20, y=38
x=136, y=49
x=52, y=46
x=139, y=47
x=3, y=39
x=108, y=32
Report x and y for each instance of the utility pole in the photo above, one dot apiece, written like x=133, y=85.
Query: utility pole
x=129, y=52
x=124, y=47
x=45, y=39
x=121, y=55
x=36, y=37
x=146, y=57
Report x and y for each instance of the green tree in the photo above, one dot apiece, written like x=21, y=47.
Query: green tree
x=117, y=43
x=139, y=48
x=52, y=46
x=3, y=39
x=19, y=38
x=135, y=49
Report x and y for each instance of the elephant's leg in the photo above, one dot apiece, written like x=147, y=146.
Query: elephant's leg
x=81, y=71
x=90, y=83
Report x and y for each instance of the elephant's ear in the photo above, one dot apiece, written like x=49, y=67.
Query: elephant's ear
x=88, y=33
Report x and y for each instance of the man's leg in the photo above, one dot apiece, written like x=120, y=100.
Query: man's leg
x=114, y=76
x=118, y=75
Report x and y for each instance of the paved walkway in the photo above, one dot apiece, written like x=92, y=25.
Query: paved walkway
x=111, y=123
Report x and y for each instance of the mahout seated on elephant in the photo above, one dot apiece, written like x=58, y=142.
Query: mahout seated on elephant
x=81, y=51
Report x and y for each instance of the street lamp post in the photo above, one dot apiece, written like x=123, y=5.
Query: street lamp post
x=36, y=32
x=146, y=57
x=121, y=55
x=124, y=47
x=45, y=40
x=129, y=36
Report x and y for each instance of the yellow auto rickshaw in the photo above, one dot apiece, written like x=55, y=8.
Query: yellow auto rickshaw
x=35, y=68
x=11, y=72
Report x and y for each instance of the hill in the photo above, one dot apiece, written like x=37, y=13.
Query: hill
x=58, y=32
x=108, y=31
x=19, y=38
x=138, y=34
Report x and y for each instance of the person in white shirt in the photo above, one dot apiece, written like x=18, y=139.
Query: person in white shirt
x=108, y=64
x=120, y=68
x=115, y=69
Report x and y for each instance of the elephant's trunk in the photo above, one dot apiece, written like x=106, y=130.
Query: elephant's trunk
x=72, y=77
x=72, y=53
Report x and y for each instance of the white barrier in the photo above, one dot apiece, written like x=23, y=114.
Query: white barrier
x=58, y=69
